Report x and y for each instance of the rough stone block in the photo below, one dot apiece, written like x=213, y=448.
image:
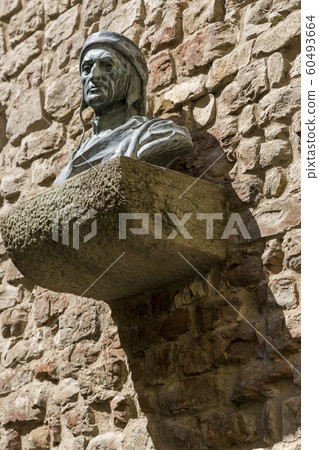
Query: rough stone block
x=248, y=85
x=281, y=35
x=196, y=16
x=62, y=28
x=258, y=378
x=15, y=60
x=275, y=183
x=280, y=104
x=93, y=9
x=122, y=185
x=25, y=116
x=161, y=71
x=26, y=22
x=35, y=146
x=8, y=8
x=223, y=68
x=274, y=217
x=26, y=406
x=204, y=111
x=276, y=69
x=275, y=153
x=170, y=30
x=2, y=41
x=283, y=292
x=61, y=97
x=211, y=43
x=54, y=8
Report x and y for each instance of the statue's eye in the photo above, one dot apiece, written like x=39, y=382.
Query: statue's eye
x=106, y=65
x=86, y=69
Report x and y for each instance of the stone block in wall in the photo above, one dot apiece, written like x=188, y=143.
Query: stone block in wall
x=25, y=116
x=249, y=84
x=26, y=22
x=227, y=429
x=108, y=440
x=273, y=217
x=123, y=410
x=275, y=182
x=70, y=49
x=186, y=91
x=15, y=60
x=248, y=154
x=94, y=9
x=99, y=384
x=281, y=35
x=160, y=363
x=212, y=42
x=12, y=440
x=248, y=271
x=261, y=15
x=81, y=421
x=246, y=190
x=273, y=256
x=78, y=321
x=13, y=322
x=40, y=144
x=53, y=8
x=61, y=28
x=197, y=16
x=258, y=380
x=276, y=130
x=196, y=356
x=279, y=104
x=66, y=394
x=161, y=71
x=123, y=18
x=291, y=415
x=62, y=95
x=295, y=70
x=32, y=404
x=12, y=185
x=9, y=297
x=20, y=352
x=8, y=8
x=275, y=153
x=2, y=41
x=283, y=291
x=224, y=68
x=42, y=172
x=39, y=438
x=204, y=111
x=277, y=68
x=13, y=379
x=292, y=248
x=170, y=29
x=190, y=394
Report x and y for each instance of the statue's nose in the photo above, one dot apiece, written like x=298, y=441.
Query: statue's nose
x=95, y=72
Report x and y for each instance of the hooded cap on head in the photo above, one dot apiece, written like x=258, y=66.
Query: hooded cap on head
x=127, y=49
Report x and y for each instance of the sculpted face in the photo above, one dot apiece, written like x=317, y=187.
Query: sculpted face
x=104, y=76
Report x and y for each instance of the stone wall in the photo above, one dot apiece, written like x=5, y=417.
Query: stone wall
x=180, y=368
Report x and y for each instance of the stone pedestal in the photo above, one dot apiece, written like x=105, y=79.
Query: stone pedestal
x=69, y=238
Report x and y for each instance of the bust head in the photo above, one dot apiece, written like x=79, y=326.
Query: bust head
x=113, y=71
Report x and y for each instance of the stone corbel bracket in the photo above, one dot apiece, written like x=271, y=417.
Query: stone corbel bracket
x=71, y=238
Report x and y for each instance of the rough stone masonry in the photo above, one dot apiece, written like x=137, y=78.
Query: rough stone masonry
x=176, y=368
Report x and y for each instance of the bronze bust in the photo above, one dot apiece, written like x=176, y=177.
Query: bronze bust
x=114, y=77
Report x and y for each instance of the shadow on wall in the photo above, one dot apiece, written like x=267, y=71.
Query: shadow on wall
x=202, y=354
